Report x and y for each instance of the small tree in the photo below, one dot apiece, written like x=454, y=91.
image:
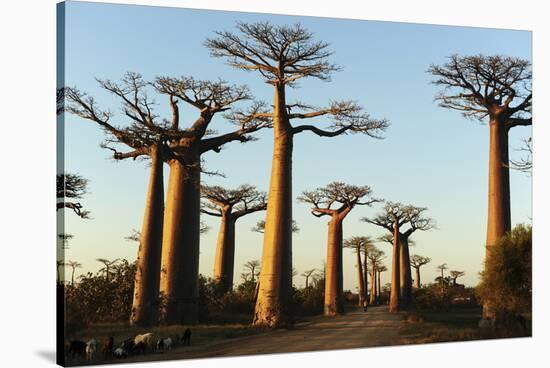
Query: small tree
x=230, y=205
x=307, y=274
x=418, y=261
x=108, y=265
x=73, y=265
x=260, y=227
x=69, y=187
x=360, y=244
x=65, y=238
x=455, y=275
x=393, y=218
x=375, y=257
x=252, y=270
x=442, y=268
x=336, y=200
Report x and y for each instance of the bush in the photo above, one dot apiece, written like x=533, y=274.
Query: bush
x=506, y=282
x=100, y=297
x=434, y=297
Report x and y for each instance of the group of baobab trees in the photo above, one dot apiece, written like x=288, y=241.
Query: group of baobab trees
x=281, y=56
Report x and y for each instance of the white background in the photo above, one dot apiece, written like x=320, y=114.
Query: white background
x=27, y=154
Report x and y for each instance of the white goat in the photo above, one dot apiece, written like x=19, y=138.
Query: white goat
x=91, y=348
x=144, y=338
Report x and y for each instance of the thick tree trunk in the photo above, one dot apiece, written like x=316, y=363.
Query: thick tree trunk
x=145, y=306
x=366, y=276
x=378, y=289
x=360, y=280
x=498, y=219
x=405, y=272
x=180, y=245
x=334, y=293
x=373, y=299
x=225, y=253
x=395, y=276
x=417, y=281
x=273, y=307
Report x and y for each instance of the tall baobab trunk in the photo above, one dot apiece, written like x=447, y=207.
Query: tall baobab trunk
x=498, y=219
x=145, y=306
x=417, y=279
x=373, y=299
x=180, y=244
x=274, y=296
x=395, y=274
x=360, y=279
x=334, y=298
x=405, y=272
x=378, y=289
x=225, y=253
x=366, y=275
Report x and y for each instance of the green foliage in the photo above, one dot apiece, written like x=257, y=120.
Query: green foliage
x=435, y=298
x=310, y=301
x=101, y=297
x=506, y=282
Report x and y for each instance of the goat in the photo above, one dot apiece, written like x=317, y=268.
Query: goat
x=77, y=348
x=108, y=346
x=164, y=343
x=91, y=348
x=128, y=344
x=145, y=338
x=120, y=353
x=186, y=339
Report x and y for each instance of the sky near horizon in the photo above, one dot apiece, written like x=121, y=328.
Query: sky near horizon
x=430, y=156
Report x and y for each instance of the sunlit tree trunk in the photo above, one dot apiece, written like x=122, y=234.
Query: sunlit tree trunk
x=273, y=305
x=366, y=273
x=498, y=219
x=225, y=253
x=417, y=280
x=180, y=252
x=360, y=279
x=405, y=272
x=146, y=288
x=395, y=278
x=378, y=289
x=334, y=298
x=373, y=299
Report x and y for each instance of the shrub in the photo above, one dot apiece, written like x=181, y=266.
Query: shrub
x=506, y=281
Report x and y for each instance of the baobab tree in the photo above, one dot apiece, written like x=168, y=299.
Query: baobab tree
x=375, y=257
x=393, y=218
x=336, y=200
x=307, y=274
x=381, y=268
x=283, y=55
x=441, y=268
x=180, y=245
x=70, y=187
x=418, y=261
x=497, y=89
x=230, y=205
x=73, y=265
x=166, y=141
x=252, y=269
x=360, y=244
x=455, y=275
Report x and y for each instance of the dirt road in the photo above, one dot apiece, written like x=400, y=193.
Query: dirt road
x=377, y=327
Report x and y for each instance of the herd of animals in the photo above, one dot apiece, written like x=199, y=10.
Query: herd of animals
x=140, y=344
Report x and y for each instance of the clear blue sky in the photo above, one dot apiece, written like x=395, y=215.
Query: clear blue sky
x=430, y=157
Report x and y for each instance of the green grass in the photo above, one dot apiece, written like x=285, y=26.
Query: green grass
x=460, y=324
